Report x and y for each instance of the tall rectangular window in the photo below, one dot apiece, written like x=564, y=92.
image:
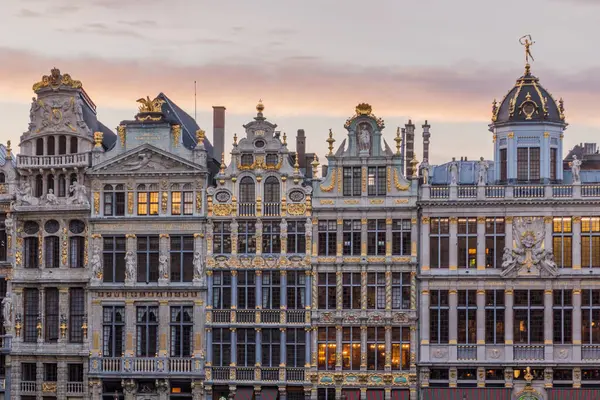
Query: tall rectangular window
x=376, y=181
x=271, y=237
x=114, y=200
x=221, y=345
x=271, y=290
x=327, y=290
x=246, y=347
x=271, y=347
x=51, y=315
x=563, y=316
x=147, y=331
x=439, y=242
x=494, y=316
x=494, y=241
x=51, y=252
x=327, y=237
x=351, y=230
x=590, y=315
x=467, y=318
x=76, y=314
x=113, y=331
x=221, y=290
x=352, y=181
x=401, y=237
x=467, y=242
x=376, y=237
x=295, y=344
x=75, y=372
x=147, y=258
x=28, y=372
x=182, y=258
x=553, y=159
x=182, y=203
x=376, y=290
x=529, y=317
x=114, y=259
x=296, y=290
x=246, y=237
x=326, y=348
x=528, y=164
x=439, y=316
x=375, y=348
x=503, y=166
x=31, y=252
x=31, y=299
x=3, y=241
x=351, y=343
x=562, y=242
x=401, y=283
x=590, y=242
x=50, y=372
x=351, y=290
x=246, y=290
x=222, y=237
x=182, y=327
x=147, y=199
x=400, y=348
x=76, y=251
x=296, y=239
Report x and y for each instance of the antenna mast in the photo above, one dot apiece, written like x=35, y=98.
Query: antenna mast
x=195, y=108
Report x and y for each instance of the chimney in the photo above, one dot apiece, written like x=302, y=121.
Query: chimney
x=218, y=131
x=410, y=146
x=426, y=136
x=301, y=148
x=324, y=170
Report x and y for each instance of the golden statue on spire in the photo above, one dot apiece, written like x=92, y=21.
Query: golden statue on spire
x=527, y=42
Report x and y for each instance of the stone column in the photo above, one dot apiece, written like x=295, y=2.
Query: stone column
x=209, y=289
x=258, y=291
x=307, y=289
x=425, y=261
x=508, y=324
x=424, y=329
x=61, y=378
x=313, y=338
x=63, y=314
x=338, y=347
x=95, y=389
x=363, y=287
x=388, y=348
x=130, y=315
x=163, y=327
x=283, y=290
x=95, y=327
x=234, y=289
x=508, y=232
x=209, y=354
x=480, y=315
x=283, y=344
x=452, y=324
x=363, y=393
x=577, y=339
x=548, y=232
x=363, y=235
x=340, y=239
x=363, y=348
x=481, y=264
x=576, y=247
x=388, y=236
x=233, y=347
x=453, y=250
x=258, y=347
x=42, y=317
x=307, y=348
x=282, y=393
x=338, y=287
x=388, y=287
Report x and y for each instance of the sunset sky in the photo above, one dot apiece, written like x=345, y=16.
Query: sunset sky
x=311, y=62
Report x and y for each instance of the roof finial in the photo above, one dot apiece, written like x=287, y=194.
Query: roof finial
x=222, y=171
x=9, y=149
x=260, y=106
x=527, y=42
x=330, y=140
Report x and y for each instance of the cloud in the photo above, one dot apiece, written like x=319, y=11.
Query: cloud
x=140, y=23
x=303, y=87
x=26, y=13
x=97, y=28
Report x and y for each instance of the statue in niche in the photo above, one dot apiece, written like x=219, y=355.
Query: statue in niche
x=198, y=267
x=129, y=267
x=51, y=198
x=576, y=169
x=163, y=270
x=96, y=263
x=7, y=310
x=364, y=138
x=78, y=194
x=24, y=196
x=483, y=170
x=425, y=171
x=453, y=168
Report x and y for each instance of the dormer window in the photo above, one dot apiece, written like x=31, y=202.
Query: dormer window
x=247, y=160
x=528, y=164
x=272, y=159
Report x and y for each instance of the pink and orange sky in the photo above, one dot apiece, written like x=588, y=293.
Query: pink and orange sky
x=311, y=62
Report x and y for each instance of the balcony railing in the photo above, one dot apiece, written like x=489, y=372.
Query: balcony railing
x=246, y=209
x=272, y=209
x=466, y=353
x=528, y=352
x=28, y=386
x=259, y=317
x=74, y=388
x=137, y=365
x=257, y=374
x=589, y=352
x=59, y=161
x=458, y=192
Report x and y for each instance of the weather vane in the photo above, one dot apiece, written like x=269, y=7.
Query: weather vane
x=527, y=42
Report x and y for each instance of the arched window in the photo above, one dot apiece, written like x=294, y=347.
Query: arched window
x=74, y=146
x=50, y=183
x=62, y=185
x=62, y=145
x=39, y=186
x=272, y=159
x=51, y=146
x=39, y=147
x=247, y=190
x=2, y=177
x=272, y=192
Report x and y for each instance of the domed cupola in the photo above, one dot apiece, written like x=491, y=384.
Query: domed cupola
x=528, y=128
x=527, y=102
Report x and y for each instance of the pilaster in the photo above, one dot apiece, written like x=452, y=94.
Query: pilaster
x=577, y=339
x=425, y=261
x=163, y=327
x=452, y=324
x=481, y=243
x=576, y=247
x=508, y=324
x=453, y=249
x=480, y=315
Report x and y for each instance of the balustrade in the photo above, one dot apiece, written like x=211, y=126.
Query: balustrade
x=258, y=317
x=264, y=374
x=57, y=161
x=590, y=353
x=508, y=192
x=28, y=386
x=74, y=387
x=528, y=352
x=466, y=352
x=151, y=365
x=247, y=209
x=272, y=209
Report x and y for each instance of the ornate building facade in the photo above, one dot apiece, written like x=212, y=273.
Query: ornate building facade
x=509, y=263
x=364, y=337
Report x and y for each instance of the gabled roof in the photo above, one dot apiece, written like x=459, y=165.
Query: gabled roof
x=3, y=157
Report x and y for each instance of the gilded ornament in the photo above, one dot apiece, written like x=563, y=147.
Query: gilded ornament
x=364, y=179
x=511, y=135
x=150, y=106
x=481, y=220
x=425, y=220
x=65, y=249
x=198, y=202
x=8, y=155
x=200, y=136
x=55, y=80
x=176, y=129
x=96, y=203
x=327, y=202
x=164, y=203
x=388, y=179
x=397, y=183
x=398, y=140
x=508, y=220
x=364, y=109
x=296, y=209
x=453, y=220
x=576, y=220
x=330, y=140
x=98, y=139
x=130, y=203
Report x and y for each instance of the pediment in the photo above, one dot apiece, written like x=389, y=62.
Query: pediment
x=146, y=159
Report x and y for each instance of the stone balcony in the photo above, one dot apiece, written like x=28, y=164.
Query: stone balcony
x=78, y=160
x=258, y=317
x=509, y=192
x=148, y=366
x=276, y=375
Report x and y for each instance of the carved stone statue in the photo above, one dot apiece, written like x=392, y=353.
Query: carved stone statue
x=453, y=168
x=507, y=258
x=143, y=161
x=364, y=139
x=129, y=267
x=9, y=224
x=163, y=267
x=78, y=194
x=51, y=198
x=198, y=267
x=7, y=310
x=483, y=170
x=425, y=172
x=96, y=263
x=24, y=196
x=575, y=169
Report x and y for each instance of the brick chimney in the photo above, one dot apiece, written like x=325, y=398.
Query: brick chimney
x=410, y=147
x=218, y=141
x=426, y=136
x=301, y=148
